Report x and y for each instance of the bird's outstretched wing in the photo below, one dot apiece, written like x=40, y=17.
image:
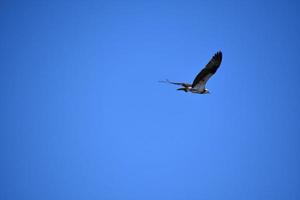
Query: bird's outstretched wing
x=176, y=83
x=209, y=70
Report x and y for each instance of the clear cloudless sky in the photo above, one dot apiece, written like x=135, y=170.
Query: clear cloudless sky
x=83, y=116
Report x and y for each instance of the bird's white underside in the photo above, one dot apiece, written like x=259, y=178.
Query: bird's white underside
x=201, y=85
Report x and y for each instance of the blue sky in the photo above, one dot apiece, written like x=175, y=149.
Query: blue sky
x=84, y=117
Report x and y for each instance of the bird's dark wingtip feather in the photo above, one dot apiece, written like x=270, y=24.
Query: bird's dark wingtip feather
x=164, y=81
x=218, y=55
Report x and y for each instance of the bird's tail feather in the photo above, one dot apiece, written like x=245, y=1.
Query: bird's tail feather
x=184, y=89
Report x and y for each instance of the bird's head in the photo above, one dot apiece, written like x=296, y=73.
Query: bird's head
x=206, y=91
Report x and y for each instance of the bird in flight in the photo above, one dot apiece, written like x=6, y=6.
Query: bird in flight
x=198, y=85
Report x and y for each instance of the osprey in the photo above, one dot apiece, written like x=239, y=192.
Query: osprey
x=198, y=85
